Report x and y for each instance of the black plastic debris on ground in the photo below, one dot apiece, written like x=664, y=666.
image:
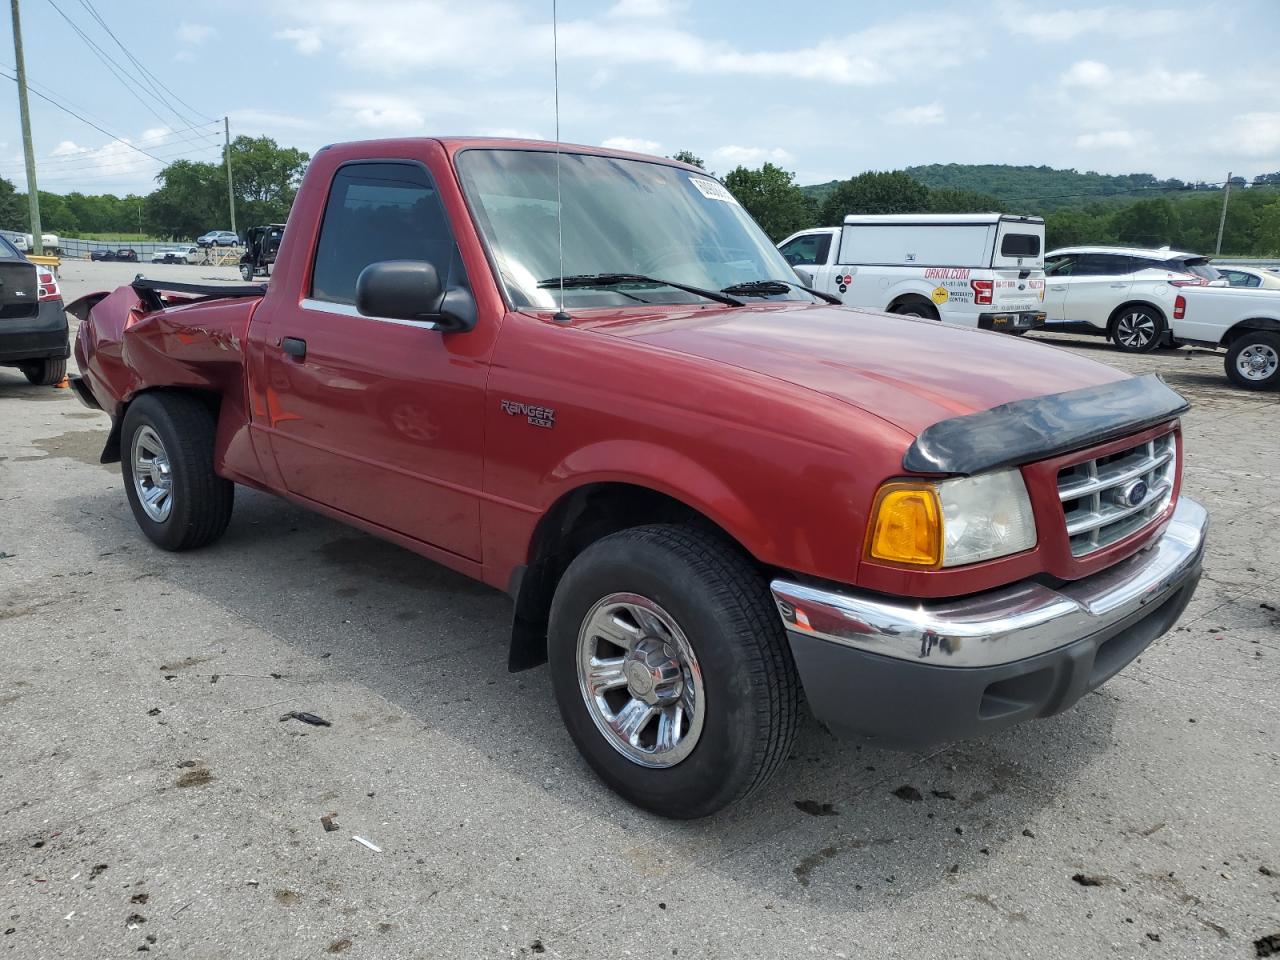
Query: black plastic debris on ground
x=908, y=793
x=329, y=822
x=1268, y=946
x=816, y=809
x=310, y=718
x=1087, y=881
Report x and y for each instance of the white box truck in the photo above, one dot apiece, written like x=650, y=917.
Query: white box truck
x=973, y=269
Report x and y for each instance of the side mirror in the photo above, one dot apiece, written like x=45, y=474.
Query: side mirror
x=411, y=290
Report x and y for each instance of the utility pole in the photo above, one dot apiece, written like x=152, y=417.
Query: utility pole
x=231, y=195
x=1222, y=221
x=33, y=194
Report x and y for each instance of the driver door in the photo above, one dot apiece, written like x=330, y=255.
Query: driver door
x=379, y=418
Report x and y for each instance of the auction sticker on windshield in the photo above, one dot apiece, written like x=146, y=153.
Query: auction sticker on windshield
x=713, y=190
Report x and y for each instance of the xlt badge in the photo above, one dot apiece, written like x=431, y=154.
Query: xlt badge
x=536, y=415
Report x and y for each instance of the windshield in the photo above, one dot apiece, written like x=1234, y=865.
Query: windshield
x=620, y=216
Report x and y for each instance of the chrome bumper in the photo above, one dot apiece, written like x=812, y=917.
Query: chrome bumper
x=1005, y=625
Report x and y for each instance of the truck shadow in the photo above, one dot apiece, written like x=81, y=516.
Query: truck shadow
x=840, y=824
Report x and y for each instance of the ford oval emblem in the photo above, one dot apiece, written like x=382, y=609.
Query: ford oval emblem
x=1135, y=493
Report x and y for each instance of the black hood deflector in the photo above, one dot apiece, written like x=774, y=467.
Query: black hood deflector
x=1041, y=427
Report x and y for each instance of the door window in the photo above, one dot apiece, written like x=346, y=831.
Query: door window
x=1063, y=265
x=375, y=212
x=808, y=251
x=1102, y=265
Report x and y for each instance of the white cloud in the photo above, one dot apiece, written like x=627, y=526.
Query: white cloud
x=194, y=33
x=1060, y=26
x=304, y=40
x=1107, y=140
x=735, y=156
x=1253, y=135
x=511, y=133
x=1154, y=85
x=922, y=116
x=495, y=37
x=383, y=112
x=634, y=144
x=643, y=8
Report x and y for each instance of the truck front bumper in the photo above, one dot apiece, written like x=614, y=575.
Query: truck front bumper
x=36, y=338
x=915, y=674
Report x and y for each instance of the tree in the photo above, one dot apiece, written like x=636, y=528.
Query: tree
x=874, y=192
x=13, y=211
x=952, y=200
x=689, y=157
x=771, y=196
x=1147, y=223
x=192, y=197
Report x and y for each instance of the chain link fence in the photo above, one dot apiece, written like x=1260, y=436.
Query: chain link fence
x=73, y=248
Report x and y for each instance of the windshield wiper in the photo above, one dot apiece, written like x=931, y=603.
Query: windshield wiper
x=762, y=288
x=614, y=279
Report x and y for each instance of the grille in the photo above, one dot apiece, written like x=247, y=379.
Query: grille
x=1107, y=499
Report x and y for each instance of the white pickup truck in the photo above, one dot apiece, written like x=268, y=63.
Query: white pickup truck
x=1244, y=321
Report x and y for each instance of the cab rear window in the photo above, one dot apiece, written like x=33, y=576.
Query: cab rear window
x=1020, y=245
x=1198, y=267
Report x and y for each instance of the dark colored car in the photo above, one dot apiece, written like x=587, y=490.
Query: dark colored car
x=33, y=323
x=124, y=254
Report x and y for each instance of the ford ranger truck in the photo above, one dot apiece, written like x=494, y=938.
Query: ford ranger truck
x=709, y=501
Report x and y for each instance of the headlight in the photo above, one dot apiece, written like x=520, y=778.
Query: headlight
x=952, y=522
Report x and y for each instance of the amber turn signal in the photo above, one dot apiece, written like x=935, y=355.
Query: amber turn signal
x=906, y=525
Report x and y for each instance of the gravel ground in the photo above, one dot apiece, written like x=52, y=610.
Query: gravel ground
x=152, y=800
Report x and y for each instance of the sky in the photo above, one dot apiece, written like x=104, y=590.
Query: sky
x=1179, y=90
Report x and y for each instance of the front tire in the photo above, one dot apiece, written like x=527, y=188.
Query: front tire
x=1253, y=360
x=246, y=271
x=48, y=372
x=167, y=444
x=1137, y=329
x=671, y=669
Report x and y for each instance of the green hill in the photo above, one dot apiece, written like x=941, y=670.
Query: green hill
x=1029, y=189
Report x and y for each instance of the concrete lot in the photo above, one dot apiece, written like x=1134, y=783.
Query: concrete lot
x=151, y=799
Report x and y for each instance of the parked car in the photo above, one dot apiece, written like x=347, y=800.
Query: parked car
x=706, y=490
x=189, y=254
x=218, y=238
x=1246, y=322
x=33, y=323
x=124, y=253
x=972, y=269
x=1238, y=276
x=1122, y=293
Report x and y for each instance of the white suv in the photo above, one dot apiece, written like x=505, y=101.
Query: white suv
x=1124, y=293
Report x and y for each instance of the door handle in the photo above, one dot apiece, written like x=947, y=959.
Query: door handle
x=1117, y=286
x=1060, y=287
x=294, y=347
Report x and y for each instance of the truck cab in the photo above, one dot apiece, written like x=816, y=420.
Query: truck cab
x=975, y=270
x=588, y=379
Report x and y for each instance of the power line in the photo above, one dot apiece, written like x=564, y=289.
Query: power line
x=88, y=5
x=82, y=119
x=1188, y=188
x=118, y=71
x=84, y=156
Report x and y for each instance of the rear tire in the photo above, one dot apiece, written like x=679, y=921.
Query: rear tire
x=45, y=373
x=166, y=447
x=672, y=611
x=1253, y=360
x=916, y=307
x=1137, y=329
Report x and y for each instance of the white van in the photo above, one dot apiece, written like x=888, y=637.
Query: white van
x=974, y=269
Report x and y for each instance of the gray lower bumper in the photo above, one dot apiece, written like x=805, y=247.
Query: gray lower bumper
x=913, y=674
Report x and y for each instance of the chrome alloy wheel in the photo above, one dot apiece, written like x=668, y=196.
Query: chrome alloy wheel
x=152, y=475
x=1258, y=361
x=640, y=680
x=1135, y=329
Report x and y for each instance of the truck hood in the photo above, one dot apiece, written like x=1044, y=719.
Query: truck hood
x=911, y=373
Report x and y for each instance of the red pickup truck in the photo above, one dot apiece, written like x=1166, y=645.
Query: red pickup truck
x=587, y=378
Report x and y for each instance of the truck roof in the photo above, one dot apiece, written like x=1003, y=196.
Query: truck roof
x=1162, y=254
x=370, y=148
x=935, y=219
